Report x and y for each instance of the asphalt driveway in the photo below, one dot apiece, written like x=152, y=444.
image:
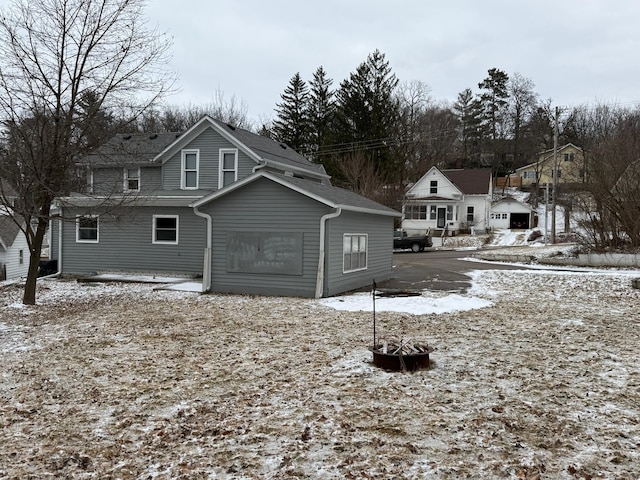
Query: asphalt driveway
x=436, y=270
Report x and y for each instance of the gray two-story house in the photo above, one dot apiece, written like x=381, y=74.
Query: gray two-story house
x=246, y=214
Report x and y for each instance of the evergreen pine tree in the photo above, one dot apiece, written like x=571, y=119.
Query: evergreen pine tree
x=291, y=125
x=468, y=110
x=321, y=109
x=368, y=112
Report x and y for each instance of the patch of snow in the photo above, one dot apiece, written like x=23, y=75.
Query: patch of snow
x=428, y=302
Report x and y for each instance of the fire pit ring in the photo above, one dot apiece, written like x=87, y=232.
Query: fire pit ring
x=406, y=362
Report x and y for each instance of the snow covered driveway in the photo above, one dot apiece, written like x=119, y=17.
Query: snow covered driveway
x=119, y=381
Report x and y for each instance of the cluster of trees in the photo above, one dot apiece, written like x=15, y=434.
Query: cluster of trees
x=608, y=205
x=394, y=131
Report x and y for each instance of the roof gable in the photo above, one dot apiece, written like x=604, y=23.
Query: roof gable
x=329, y=195
x=261, y=150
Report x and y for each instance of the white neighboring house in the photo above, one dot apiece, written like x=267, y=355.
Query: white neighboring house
x=453, y=200
x=509, y=213
x=14, y=252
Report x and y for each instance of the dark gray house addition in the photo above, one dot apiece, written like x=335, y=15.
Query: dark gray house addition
x=243, y=212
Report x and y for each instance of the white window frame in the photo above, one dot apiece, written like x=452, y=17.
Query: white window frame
x=21, y=257
x=154, y=230
x=87, y=240
x=433, y=212
x=433, y=187
x=184, y=171
x=470, y=213
x=347, y=249
x=128, y=178
x=222, y=170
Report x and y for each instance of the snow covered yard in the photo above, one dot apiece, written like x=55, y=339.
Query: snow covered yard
x=535, y=374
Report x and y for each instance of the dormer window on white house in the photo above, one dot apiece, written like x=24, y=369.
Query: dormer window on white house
x=228, y=167
x=131, y=179
x=190, y=169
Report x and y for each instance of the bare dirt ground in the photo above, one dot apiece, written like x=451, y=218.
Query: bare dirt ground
x=116, y=381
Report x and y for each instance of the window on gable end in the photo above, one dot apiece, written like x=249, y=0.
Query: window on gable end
x=228, y=167
x=190, y=169
x=433, y=188
x=131, y=179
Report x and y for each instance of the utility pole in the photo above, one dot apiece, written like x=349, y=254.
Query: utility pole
x=554, y=198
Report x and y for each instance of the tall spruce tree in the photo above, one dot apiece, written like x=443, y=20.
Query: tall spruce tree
x=494, y=100
x=468, y=110
x=321, y=110
x=494, y=104
x=291, y=125
x=368, y=112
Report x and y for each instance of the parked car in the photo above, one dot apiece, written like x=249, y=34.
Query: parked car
x=417, y=243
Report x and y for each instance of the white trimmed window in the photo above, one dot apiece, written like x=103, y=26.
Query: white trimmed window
x=470, y=214
x=165, y=229
x=433, y=186
x=433, y=212
x=354, y=252
x=87, y=229
x=190, y=169
x=131, y=179
x=228, y=167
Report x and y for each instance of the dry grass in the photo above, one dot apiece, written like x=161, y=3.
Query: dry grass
x=119, y=381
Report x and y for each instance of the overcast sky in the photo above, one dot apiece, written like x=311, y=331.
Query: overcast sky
x=575, y=51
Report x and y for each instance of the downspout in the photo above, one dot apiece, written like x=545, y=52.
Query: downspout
x=206, y=270
x=320, y=276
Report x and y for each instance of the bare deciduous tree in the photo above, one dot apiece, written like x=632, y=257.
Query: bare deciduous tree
x=53, y=55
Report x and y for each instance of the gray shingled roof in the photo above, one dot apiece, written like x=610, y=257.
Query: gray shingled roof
x=131, y=149
x=269, y=149
x=8, y=230
x=336, y=195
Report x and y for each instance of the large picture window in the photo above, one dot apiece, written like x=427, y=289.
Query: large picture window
x=354, y=252
x=415, y=212
x=190, y=167
x=87, y=229
x=228, y=167
x=165, y=229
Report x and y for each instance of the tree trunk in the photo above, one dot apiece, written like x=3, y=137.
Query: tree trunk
x=35, y=248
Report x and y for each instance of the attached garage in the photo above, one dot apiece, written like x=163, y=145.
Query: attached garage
x=273, y=234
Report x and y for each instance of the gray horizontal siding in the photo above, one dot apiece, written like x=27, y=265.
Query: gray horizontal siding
x=209, y=143
x=264, y=206
x=379, y=253
x=125, y=244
